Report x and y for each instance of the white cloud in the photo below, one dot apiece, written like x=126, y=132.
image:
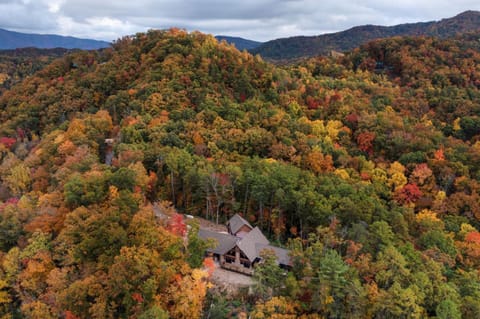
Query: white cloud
x=254, y=19
x=54, y=6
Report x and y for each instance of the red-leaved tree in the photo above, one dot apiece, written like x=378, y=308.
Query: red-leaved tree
x=409, y=193
x=177, y=225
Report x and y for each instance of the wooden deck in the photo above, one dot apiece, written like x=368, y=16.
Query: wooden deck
x=238, y=268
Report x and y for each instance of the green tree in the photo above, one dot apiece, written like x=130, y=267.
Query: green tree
x=123, y=178
x=19, y=179
x=155, y=312
x=196, y=247
x=447, y=309
x=329, y=284
x=11, y=227
x=398, y=302
x=268, y=276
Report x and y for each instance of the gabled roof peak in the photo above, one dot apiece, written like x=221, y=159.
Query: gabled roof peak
x=236, y=222
x=248, y=244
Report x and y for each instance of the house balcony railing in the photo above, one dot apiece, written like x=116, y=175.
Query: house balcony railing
x=238, y=268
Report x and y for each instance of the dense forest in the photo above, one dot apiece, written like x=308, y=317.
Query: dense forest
x=309, y=46
x=366, y=167
x=15, y=65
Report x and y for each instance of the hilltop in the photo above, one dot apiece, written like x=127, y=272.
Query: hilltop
x=309, y=46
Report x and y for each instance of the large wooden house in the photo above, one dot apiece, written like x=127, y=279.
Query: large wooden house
x=239, y=249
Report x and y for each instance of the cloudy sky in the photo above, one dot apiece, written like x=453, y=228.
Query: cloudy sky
x=253, y=19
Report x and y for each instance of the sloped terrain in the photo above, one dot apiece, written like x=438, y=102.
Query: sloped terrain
x=366, y=167
x=309, y=46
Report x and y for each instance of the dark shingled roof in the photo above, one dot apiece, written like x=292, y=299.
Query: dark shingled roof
x=236, y=222
x=251, y=244
x=282, y=254
x=225, y=242
x=250, y=241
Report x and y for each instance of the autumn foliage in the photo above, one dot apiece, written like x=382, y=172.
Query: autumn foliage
x=408, y=194
x=365, y=166
x=177, y=226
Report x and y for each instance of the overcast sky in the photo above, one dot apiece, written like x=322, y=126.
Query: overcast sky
x=260, y=20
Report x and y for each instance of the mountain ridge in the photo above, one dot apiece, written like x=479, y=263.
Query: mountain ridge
x=240, y=43
x=13, y=40
x=308, y=46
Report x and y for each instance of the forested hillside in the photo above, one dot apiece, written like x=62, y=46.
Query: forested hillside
x=366, y=167
x=15, y=65
x=240, y=43
x=309, y=46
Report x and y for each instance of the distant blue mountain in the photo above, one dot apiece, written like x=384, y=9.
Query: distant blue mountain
x=309, y=46
x=14, y=40
x=240, y=43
